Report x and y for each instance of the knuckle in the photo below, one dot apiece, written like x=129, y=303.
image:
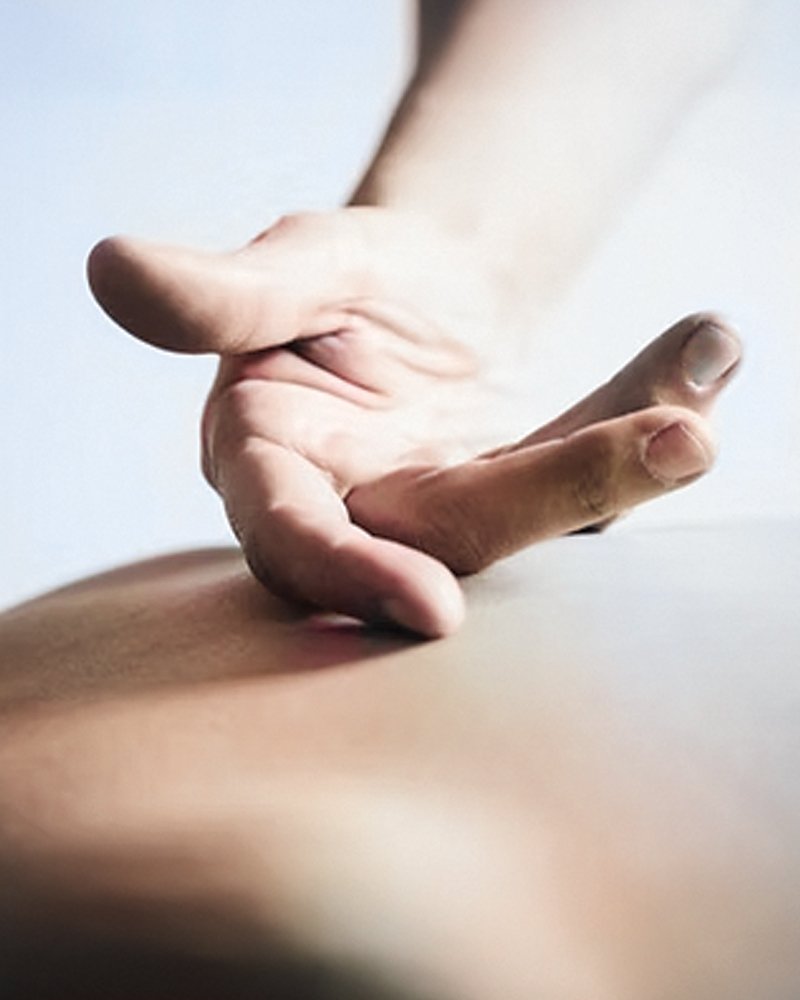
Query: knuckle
x=236, y=402
x=453, y=531
x=226, y=421
x=423, y=511
x=242, y=410
x=240, y=416
x=467, y=552
x=594, y=486
x=467, y=558
x=458, y=550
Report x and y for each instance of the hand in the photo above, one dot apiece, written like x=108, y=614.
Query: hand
x=337, y=426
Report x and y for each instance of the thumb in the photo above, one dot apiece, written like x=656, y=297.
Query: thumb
x=227, y=303
x=180, y=299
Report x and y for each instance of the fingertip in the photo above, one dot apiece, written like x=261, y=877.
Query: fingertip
x=101, y=264
x=379, y=579
x=339, y=567
x=712, y=317
x=434, y=611
x=711, y=352
x=658, y=418
x=118, y=270
x=675, y=454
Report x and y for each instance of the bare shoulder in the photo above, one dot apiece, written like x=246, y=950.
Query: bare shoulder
x=160, y=620
x=602, y=761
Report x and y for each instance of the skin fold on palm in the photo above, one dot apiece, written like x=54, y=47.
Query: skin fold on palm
x=352, y=397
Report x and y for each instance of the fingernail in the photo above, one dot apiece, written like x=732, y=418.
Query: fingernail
x=709, y=354
x=674, y=453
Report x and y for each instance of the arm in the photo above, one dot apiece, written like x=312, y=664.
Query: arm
x=526, y=124
x=351, y=401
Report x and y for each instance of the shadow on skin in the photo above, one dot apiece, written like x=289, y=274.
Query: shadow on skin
x=69, y=966
x=138, y=628
x=60, y=943
x=565, y=800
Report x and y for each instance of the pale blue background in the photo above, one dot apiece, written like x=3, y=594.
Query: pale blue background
x=199, y=122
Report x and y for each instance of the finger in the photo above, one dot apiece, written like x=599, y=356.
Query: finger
x=282, y=286
x=688, y=366
x=470, y=515
x=299, y=541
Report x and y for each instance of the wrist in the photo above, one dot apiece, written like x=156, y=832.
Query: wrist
x=536, y=123
x=492, y=225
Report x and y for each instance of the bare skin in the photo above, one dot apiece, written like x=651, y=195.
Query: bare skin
x=555, y=802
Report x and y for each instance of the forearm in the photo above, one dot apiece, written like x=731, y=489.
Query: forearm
x=526, y=123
